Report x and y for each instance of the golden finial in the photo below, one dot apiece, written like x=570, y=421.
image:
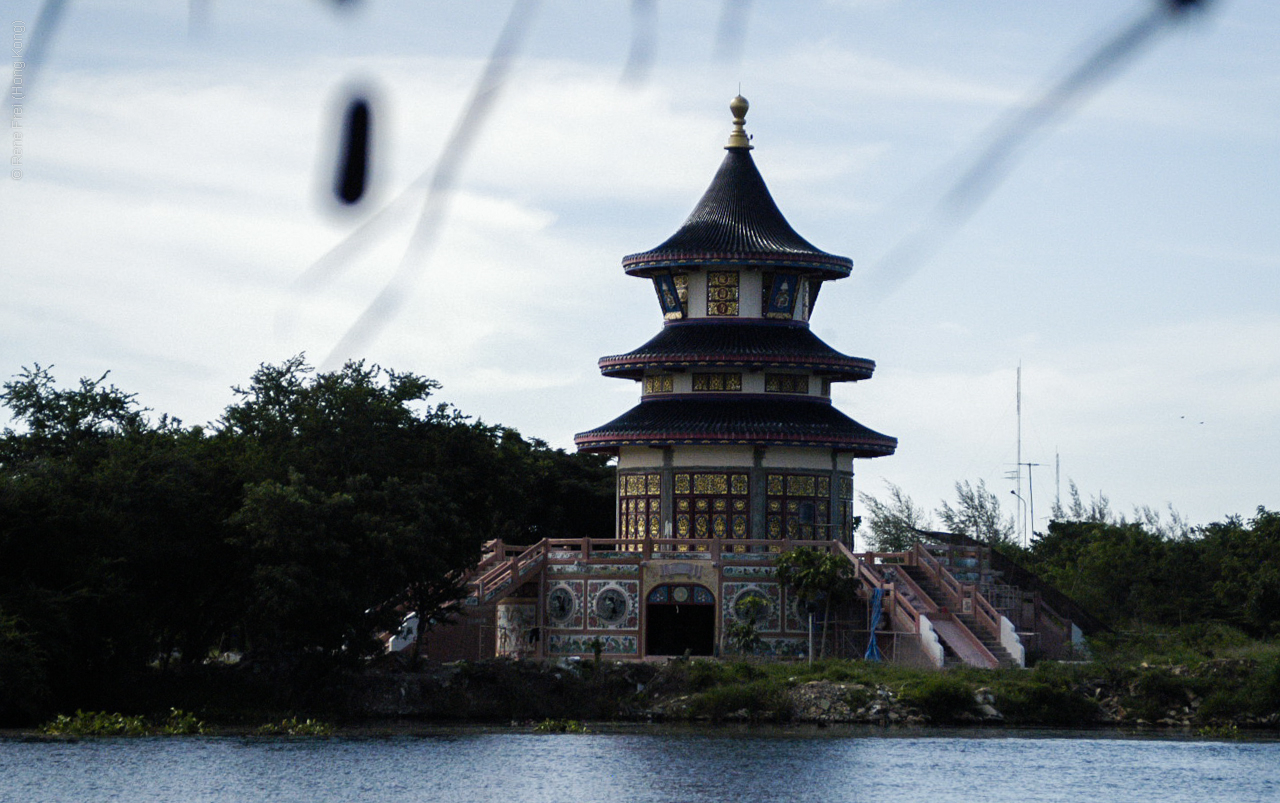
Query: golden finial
x=738, y=138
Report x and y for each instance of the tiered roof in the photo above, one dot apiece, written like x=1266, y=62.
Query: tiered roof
x=737, y=223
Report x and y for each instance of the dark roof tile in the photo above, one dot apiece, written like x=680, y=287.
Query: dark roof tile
x=728, y=420
x=737, y=221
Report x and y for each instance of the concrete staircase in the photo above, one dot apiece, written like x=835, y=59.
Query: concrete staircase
x=967, y=620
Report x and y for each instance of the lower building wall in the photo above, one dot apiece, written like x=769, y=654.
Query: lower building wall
x=472, y=637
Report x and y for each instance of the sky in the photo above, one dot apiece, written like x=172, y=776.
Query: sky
x=176, y=159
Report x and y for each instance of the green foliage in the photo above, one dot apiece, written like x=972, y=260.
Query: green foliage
x=182, y=723
x=1049, y=695
x=978, y=515
x=288, y=531
x=742, y=635
x=560, y=726
x=102, y=723
x=942, y=697
x=895, y=524
x=757, y=700
x=814, y=575
x=705, y=674
x=96, y=723
x=296, y=727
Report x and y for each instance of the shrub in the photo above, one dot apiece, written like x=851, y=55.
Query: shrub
x=96, y=723
x=293, y=727
x=560, y=726
x=941, y=697
x=182, y=723
x=757, y=700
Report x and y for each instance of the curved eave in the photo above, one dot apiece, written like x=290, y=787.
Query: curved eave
x=737, y=222
x=752, y=346
x=728, y=421
x=647, y=264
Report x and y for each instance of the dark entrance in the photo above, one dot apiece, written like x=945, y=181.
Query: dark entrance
x=680, y=619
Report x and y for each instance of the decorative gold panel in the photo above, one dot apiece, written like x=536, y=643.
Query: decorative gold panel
x=682, y=525
x=654, y=481
x=786, y=383
x=682, y=483
x=717, y=383
x=775, y=485
x=710, y=484
x=722, y=293
x=824, y=486
x=663, y=383
x=799, y=485
x=739, y=483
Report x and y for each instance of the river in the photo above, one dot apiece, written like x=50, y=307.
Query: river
x=644, y=766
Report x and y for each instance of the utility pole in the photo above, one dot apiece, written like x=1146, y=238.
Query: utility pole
x=1031, y=496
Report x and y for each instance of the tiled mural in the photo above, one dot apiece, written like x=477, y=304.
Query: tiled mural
x=613, y=604
x=565, y=606
x=561, y=644
x=731, y=594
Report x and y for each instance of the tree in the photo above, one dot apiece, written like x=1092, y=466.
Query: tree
x=743, y=635
x=977, y=514
x=896, y=524
x=1248, y=585
x=813, y=576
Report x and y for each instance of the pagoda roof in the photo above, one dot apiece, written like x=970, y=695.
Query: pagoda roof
x=756, y=344
x=750, y=420
x=737, y=222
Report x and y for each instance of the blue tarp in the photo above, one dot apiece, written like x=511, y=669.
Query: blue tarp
x=873, y=650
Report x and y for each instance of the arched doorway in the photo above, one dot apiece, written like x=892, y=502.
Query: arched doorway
x=680, y=618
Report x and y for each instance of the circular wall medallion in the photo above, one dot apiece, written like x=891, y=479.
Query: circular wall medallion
x=751, y=606
x=560, y=604
x=611, y=605
x=680, y=594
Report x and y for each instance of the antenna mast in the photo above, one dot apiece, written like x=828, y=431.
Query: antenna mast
x=1022, y=516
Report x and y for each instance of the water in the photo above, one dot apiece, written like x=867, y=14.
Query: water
x=642, y=767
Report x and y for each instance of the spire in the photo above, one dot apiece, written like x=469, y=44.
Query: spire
x=739, y=138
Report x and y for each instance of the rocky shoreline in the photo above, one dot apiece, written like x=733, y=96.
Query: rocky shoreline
x=1211, y=695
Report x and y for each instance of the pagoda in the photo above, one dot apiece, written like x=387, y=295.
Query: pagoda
x=735, y=455
x=735, y=436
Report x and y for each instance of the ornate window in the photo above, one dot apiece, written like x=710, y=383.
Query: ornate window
x=786, y=383
x=798, y=506
x=639, y=505
x=673, y=295
x=722, y=293
x=716, y=383
x=778, y=294
x=712, y=505
x=661, y=383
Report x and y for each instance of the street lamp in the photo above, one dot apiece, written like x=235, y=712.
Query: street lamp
x=1024, y=514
